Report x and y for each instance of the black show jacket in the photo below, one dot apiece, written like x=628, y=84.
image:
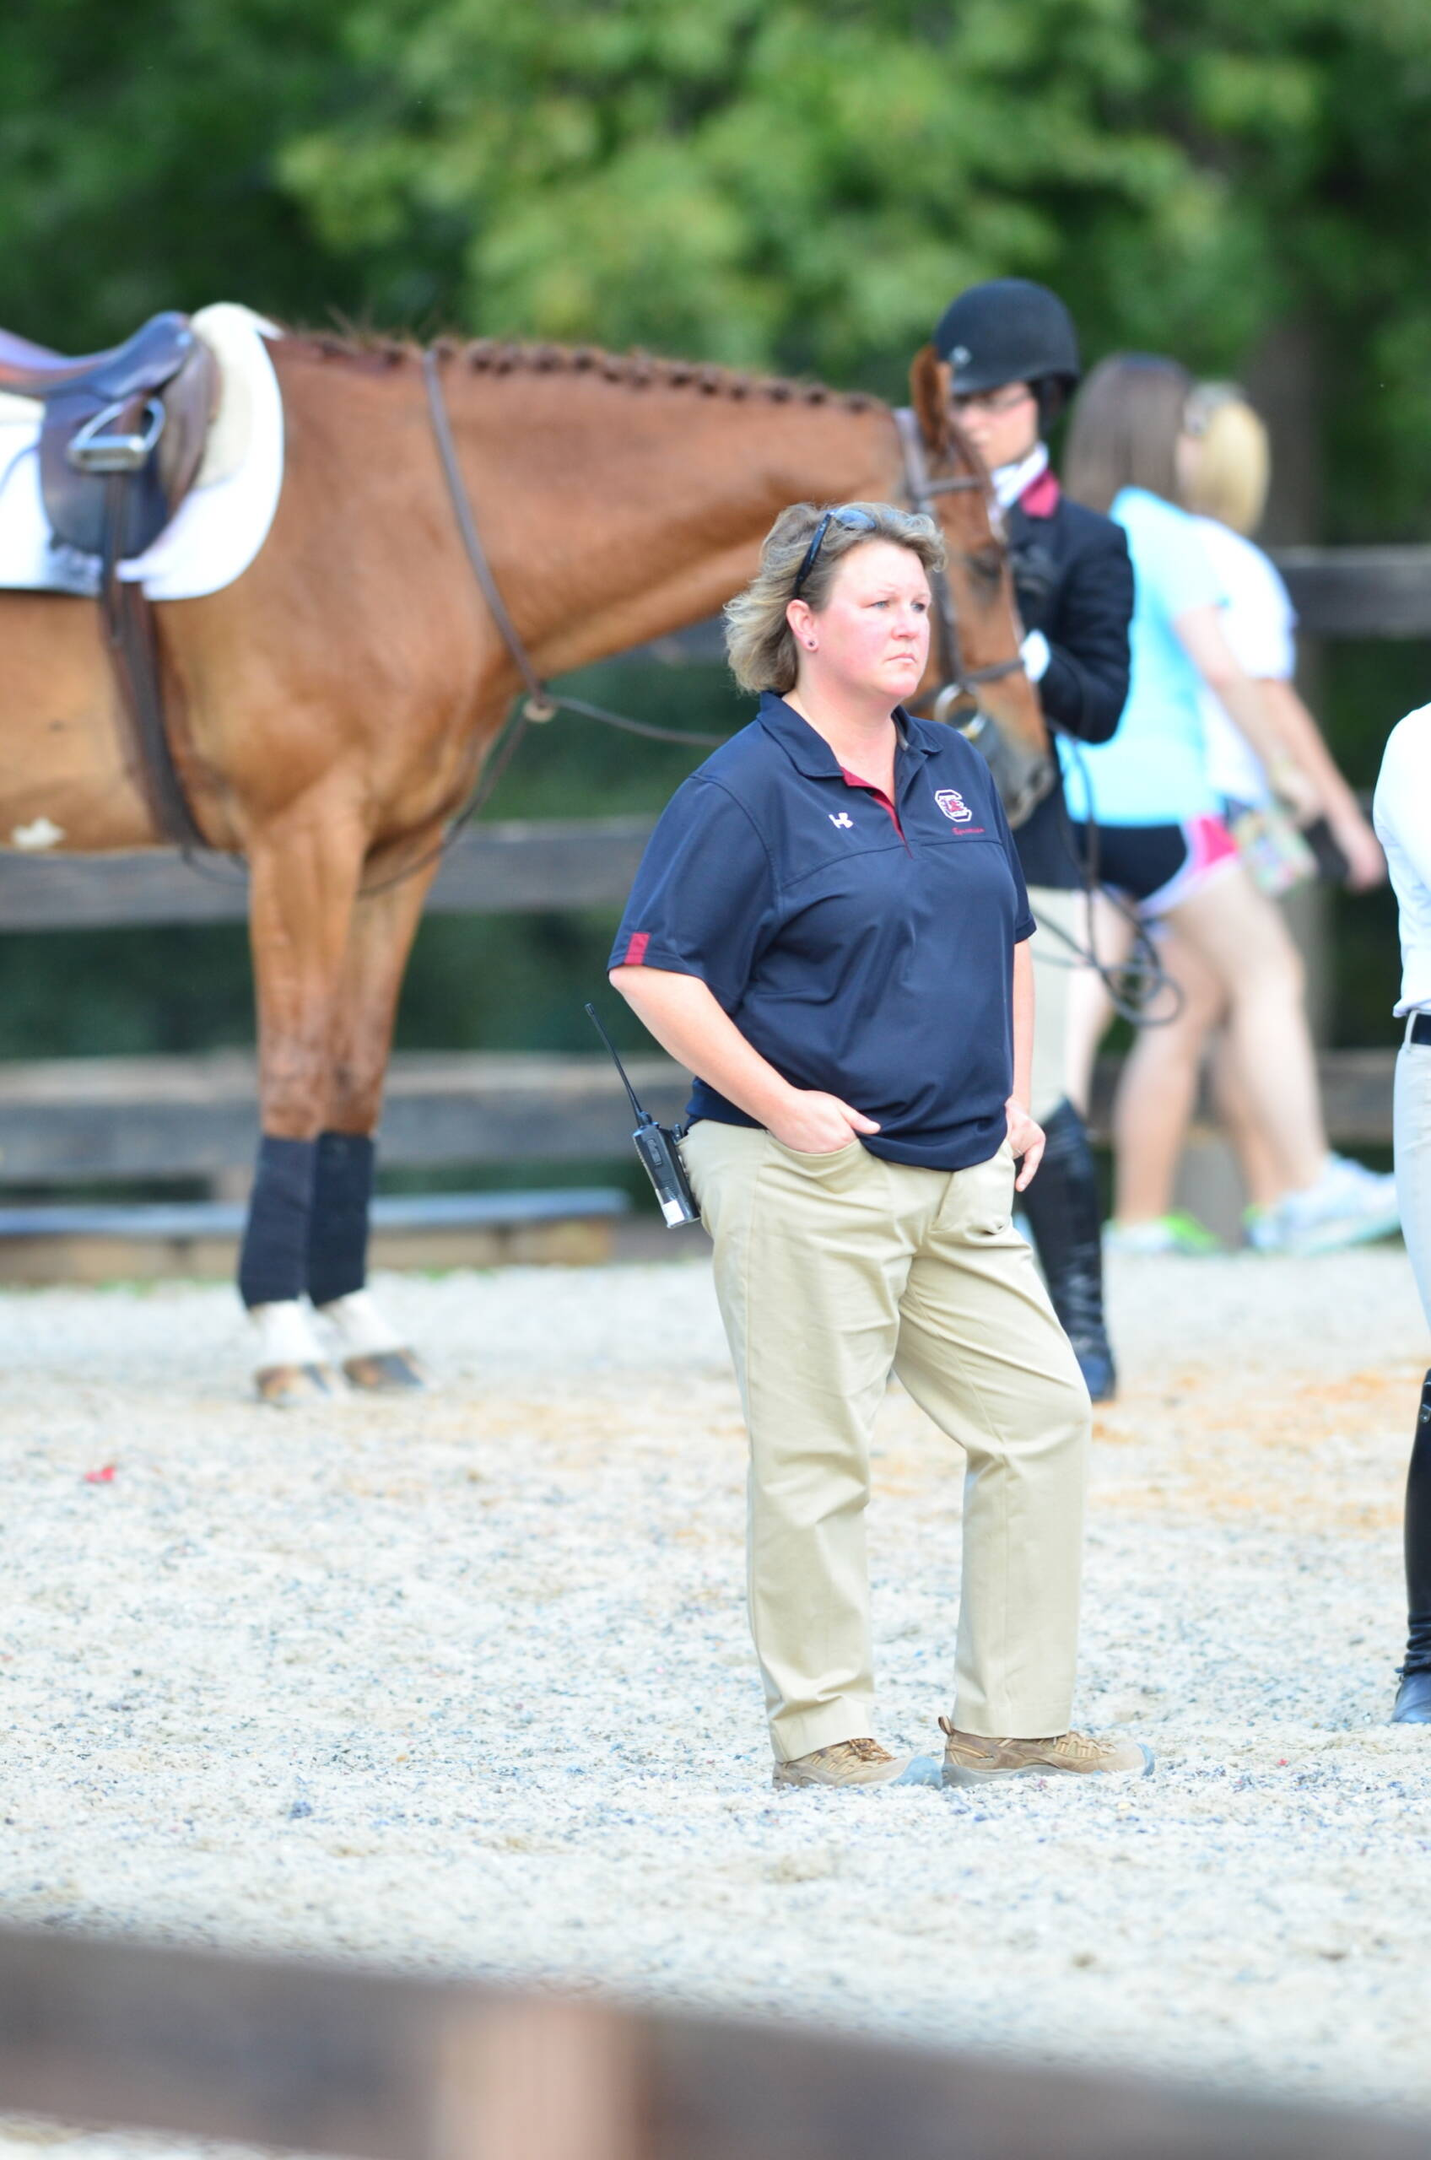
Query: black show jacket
x=1074, y=583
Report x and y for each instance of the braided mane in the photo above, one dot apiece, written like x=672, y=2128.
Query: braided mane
x=637, y=370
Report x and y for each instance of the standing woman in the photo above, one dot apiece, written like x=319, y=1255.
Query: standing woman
x=1401, y=812
x=1012, y=352
x=1224, y=467
x=1160, y=845
x=828, y=928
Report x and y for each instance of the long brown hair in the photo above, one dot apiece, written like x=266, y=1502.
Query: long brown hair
x=1124, y=428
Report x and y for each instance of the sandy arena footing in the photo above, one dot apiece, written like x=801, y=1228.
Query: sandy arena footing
x=463, y=1683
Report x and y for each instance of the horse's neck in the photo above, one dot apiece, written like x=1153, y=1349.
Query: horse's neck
x=614, y=514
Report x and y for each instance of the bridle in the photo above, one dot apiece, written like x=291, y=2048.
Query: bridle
x=923, y=489
x=538, y=703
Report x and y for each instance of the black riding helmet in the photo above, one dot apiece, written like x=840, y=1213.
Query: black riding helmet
x=1010, y=330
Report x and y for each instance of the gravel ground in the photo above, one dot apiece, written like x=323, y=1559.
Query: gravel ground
x=464, y=1684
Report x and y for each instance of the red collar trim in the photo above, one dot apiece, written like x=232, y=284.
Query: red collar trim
x=1042, y=496
x=852, y=779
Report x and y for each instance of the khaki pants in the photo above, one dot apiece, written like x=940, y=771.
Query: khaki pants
x=1054, y=964
x=831, y=1271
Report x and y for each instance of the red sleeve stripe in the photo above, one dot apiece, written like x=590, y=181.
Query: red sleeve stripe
x=636, y=950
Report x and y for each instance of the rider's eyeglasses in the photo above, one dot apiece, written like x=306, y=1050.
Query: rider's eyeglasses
x=991, y=401
x=853, y=520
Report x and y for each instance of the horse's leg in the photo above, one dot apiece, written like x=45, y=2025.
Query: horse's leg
x=304, y=876
x=372, y=1351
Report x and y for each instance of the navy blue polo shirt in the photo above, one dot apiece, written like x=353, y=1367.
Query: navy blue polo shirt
x=864, y=947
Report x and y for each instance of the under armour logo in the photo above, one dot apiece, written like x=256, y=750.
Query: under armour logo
x=842, y=818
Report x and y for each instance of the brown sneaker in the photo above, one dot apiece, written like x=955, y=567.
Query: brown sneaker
x=971, y=1760
x=855, y=1762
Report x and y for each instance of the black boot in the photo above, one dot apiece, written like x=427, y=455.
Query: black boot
x=1066, y=1217
x=1413, y=1697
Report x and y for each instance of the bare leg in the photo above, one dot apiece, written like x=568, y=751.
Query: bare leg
x=1242, y=940
x=1257, y=1160
x=380, y=939
x=1157, y=1088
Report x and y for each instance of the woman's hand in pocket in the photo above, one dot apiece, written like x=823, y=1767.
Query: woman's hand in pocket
x=816, y=1124
x=1026, y=1139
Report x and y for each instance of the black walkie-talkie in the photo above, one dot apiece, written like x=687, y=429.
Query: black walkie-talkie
x=658, y=1149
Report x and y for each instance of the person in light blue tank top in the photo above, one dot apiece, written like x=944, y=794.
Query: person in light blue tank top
x=1154, y=770
x=1146, y=810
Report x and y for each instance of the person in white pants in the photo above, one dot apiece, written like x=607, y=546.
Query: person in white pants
x=1401, y=812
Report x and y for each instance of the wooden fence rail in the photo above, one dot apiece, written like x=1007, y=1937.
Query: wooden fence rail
x=490, y=869
x=341, y=2061
x=77, y=1120
x=1356, y=592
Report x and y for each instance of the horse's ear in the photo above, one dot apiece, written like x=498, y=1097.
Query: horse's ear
x=930, y=379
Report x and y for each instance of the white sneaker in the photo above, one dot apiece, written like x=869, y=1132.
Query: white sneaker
x=1348, y=1205
x=1357, y=1175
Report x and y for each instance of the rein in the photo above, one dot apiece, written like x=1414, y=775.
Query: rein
x=959, y=681
x=540, y=703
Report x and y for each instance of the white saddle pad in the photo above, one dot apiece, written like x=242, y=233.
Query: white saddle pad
x=222, y=522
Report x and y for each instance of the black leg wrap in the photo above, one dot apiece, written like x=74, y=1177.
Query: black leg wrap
x=1066, y=1217
x=1418, y=1540
x=338, y=1234
x=273, y=1265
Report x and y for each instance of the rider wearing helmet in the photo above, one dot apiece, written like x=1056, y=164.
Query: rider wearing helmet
x=1012, y=353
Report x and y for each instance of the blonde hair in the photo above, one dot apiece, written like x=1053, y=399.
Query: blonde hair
x=1233, y=468
x=759, y=642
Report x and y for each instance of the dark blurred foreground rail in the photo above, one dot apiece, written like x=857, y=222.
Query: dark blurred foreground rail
x=337, y=2060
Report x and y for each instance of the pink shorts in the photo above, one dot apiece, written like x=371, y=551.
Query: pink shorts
x=1158, y=866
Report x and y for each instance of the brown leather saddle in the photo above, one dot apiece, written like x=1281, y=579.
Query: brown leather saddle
x=122, y=432
x=121, y=437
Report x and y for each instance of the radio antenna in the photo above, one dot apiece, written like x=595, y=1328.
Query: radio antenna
x=643, y=1117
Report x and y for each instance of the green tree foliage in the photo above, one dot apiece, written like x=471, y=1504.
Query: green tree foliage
x=773, y=183
x=797, y=184
x=769, y=182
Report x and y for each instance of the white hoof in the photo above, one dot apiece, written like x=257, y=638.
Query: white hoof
x=294, y=1387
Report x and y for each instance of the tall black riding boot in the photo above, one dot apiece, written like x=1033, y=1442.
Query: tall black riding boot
x=1413, y=1697
x=1066, y=1217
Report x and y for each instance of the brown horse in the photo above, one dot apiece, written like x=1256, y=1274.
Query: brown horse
x=331, y=709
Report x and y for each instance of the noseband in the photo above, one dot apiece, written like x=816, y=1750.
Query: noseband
x=923, y=488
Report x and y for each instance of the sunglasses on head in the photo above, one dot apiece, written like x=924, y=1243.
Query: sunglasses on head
x=852, y=519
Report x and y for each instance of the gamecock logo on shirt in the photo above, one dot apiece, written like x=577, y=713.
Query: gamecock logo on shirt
x=953, y=805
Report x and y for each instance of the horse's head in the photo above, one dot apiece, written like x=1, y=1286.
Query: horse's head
x=974, y=652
